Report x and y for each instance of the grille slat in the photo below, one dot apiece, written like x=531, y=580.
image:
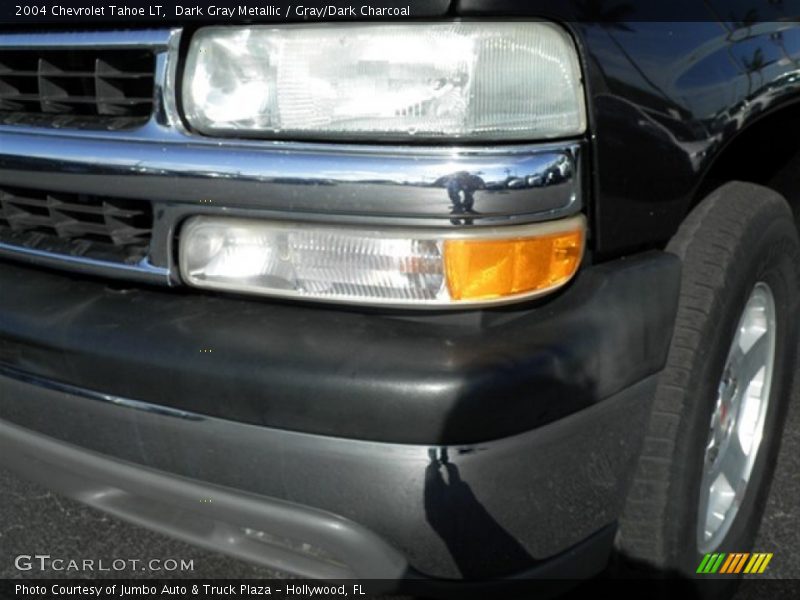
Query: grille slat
x=85, y=74
x=105, y=89
x=65, y=99
x=111, y=229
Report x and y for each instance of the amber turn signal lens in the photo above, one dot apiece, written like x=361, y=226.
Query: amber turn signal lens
x=491, y=269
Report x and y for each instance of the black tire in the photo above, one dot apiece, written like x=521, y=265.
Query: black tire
x=739, y=235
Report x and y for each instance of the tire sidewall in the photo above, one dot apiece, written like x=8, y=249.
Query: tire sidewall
x=763, y=256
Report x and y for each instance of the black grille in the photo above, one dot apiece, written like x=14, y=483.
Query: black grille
x=105, y=89
x=97, y=227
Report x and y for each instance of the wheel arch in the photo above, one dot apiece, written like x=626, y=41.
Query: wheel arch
x=765, y=152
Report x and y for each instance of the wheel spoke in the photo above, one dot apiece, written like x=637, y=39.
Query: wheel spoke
x=736, y=357
x=733, y=465
x=753, y=361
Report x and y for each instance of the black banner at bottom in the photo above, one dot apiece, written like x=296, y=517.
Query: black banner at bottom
x=299, y=589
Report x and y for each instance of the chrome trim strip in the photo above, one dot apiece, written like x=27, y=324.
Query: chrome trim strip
x=503, y=185
x=129, y=38
x=143, y=271
x=65, y=388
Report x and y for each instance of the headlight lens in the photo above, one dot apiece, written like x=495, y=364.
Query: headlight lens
x=427, y=80
x=397, y=267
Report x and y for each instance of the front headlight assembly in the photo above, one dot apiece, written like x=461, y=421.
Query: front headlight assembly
x=434, y=82
x=461, y=80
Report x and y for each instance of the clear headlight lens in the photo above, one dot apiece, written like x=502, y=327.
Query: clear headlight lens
x=397, y=267
x=428, y=80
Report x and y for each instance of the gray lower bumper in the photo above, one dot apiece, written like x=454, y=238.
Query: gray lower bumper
x=330, y=507
x=262, y=530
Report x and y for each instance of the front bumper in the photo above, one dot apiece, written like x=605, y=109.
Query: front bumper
x=542, y=504
x=430, y=379
x=480, y=445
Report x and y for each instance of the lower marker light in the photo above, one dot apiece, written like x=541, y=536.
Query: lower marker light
x=400, y=267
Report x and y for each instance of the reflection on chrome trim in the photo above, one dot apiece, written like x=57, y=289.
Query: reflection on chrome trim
x=142, y=271
x=128, y=38
x=539, y=184
x=66, y=388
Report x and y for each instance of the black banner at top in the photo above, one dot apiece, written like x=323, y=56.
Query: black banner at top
x=158, y=12
x=610, y=12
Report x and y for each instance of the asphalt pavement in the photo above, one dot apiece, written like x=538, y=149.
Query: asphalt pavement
x=36, y=521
